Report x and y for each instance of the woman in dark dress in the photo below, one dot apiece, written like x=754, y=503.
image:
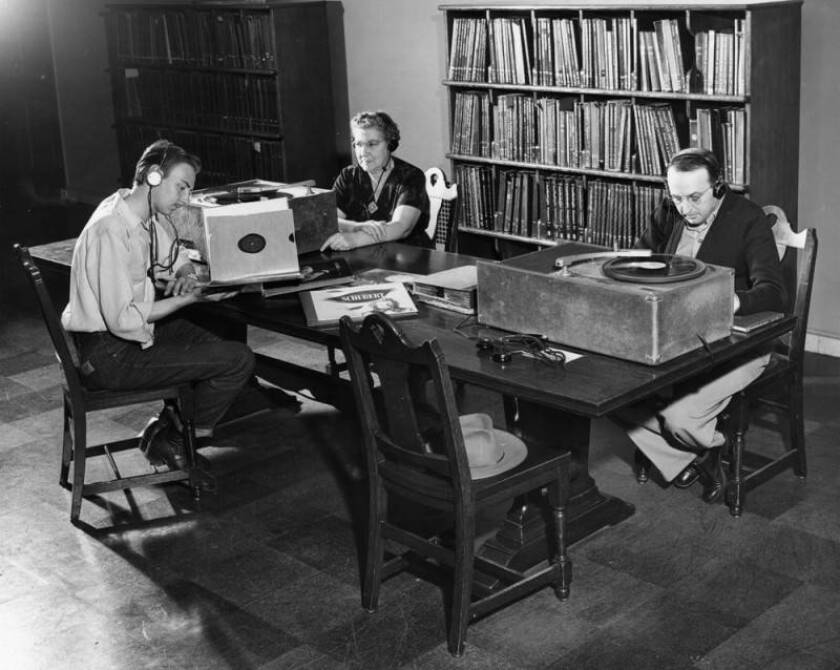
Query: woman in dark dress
x=380, y=197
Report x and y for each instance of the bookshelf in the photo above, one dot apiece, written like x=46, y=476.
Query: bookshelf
x=562, y=116
x=247, y=87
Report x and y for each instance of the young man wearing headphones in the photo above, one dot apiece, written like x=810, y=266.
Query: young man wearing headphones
x=380, y=197
x=702, y=218
x=129, y=338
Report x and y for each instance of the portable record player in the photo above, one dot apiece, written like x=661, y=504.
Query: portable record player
x=314, y=209
x=629, y=304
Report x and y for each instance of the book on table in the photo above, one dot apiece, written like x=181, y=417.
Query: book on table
x=452, y=289
x=748, y=323
x=325, y=307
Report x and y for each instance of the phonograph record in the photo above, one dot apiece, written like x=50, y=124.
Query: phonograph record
x=634, y=305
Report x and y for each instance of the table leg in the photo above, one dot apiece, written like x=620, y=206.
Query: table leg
x=520, y=542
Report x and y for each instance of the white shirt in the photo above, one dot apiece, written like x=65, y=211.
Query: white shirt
x=693, y=236
x=109, y=286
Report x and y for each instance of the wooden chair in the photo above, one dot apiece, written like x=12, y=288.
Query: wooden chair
x=781, y=379
x=417, y=453
x=779, y=388
x=79, y=402
x=442, y=210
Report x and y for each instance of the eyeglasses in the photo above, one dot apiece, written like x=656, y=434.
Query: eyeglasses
x=370, y=144
x=692, y=199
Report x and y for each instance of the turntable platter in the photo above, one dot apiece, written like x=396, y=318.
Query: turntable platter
x=653, y=269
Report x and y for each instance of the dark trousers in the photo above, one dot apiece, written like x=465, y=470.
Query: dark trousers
x=182, y=352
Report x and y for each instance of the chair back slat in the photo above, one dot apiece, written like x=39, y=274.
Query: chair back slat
x=442, y=209
x=800, y=274
x=68, y=357
x=410, y=420
x=806, y=263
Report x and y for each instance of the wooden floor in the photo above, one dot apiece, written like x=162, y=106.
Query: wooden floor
x=265, y=574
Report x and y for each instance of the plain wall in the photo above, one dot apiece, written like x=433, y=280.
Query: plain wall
x=396, y=59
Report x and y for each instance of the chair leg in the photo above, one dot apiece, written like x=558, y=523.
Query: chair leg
x=797, y=428
x=560, y=557
x=462, y=583
x=734, y=496
x=66, y=447
x=79, y=461
x=642, y=464
x=372, y=577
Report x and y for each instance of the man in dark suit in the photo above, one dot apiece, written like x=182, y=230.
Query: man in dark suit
x=704, y=219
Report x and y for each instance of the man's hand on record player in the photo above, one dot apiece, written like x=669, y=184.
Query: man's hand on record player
x=184, y=282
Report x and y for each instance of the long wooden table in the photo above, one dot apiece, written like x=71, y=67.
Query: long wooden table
x=548, y=404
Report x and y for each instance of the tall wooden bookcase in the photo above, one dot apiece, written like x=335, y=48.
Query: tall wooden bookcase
x=562, y=116
x=247, y=87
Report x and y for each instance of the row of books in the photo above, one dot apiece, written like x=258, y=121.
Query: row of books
x=471, y=124
x=615, y=135
x=232, y=39
x=231, y=102
x=554, y=207
x=723, y=131
x=720, y=59
x=224, y=158
x=600, y=53
x=468, y=50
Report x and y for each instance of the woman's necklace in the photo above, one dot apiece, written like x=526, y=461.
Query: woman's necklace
x=372, y=206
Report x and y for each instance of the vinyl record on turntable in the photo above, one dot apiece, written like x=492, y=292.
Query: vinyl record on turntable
x=653, y=269
x=247, y=194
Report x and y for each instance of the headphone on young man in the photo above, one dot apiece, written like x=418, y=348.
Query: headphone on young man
x=151, y=166
x=694, y=158
x=150, y=169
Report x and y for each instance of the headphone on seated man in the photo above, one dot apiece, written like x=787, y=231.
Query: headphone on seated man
x=693, y=158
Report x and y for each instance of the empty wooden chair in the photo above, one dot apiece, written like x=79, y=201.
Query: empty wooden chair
x=79, y=401
x=417, y=450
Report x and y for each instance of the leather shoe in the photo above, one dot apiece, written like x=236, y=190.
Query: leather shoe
x=689, y=475
x=714, y=478
x=160, y=448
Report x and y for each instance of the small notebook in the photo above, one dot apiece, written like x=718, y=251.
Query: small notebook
x=750, y=322
x=325, y=307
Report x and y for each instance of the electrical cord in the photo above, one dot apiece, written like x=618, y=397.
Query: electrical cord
x=503, y=347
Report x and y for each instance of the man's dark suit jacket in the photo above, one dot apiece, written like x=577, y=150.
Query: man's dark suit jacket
x=740, y=238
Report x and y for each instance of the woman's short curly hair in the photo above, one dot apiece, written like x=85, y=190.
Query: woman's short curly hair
x=381, y=121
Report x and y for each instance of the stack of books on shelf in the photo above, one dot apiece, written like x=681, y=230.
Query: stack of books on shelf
x=233, y=39
x=468, y=50
x=661, y=63
x=556, y=53
x=514, y=131
x=510, y=58
x=610, y=215
x=471, y=124
x=554, y=207
x=723, y=131
x=656, y=137
x=476, y=202
x=214, y=100
x=607, y=53
x=720, y=60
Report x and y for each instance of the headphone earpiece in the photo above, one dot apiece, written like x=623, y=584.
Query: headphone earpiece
x=392, y=145
x=154, y=177
x=719, y=188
